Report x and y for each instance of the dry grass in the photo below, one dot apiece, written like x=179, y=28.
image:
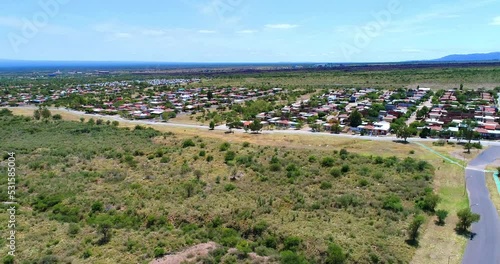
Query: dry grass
x=437, y=242
x=492, y=187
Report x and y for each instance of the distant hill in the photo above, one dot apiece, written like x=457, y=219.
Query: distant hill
x=494, y=56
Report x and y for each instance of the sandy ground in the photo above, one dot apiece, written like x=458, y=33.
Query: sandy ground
x=188, y=255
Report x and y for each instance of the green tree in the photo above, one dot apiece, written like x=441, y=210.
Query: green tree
x=104, y=229
x=212, y=125
x=404, y=132
x=356, y=119
x=256, y=126
x=465, y=219
x=414, y=227
x=45, y=113
x=36, y=114
x=422, y=112
x=335, y=255
x=468, y=133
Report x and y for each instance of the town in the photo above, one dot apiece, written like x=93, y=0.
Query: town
x=403, y=112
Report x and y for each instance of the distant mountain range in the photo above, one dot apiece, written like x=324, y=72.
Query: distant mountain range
x=493, y=56
x=6, y=64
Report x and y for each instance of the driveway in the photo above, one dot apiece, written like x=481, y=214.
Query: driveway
x=485, y=245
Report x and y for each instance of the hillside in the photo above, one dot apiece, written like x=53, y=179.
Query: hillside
x=493, y=56
x=95, y=193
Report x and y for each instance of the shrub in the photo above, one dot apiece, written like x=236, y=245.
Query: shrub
x=97, y=207
x=312, y=159
x=275, y=167
x=73, y=229
x=292, y=243
x=210, y=158
x=290, y=257
x=345, y=168
x=8, y=259
x=188, y=143
x=335, y=255
x=327, y=162
x=246, y=144
x=393, y=203
x=202, y=153
x=414, y=227
x=57, y=117
x=225, y=146
x=363, y=183
x=325, y=186
x=159, y=252
x=441, y=214
x=87, y=254
x=229, y=187
x=347, y=200
x=335, y=173
x=230, y=155
x=429, y=202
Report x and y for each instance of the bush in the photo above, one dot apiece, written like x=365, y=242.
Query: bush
x=312, y=159
x=188, y=143
x=292, y=243
x=57, y=117
x=289, y=257
x=325, y=186
x=414, y=227
x=327, y=162
x=345, y=168
x=202, y=153
x=335, y=173
x=165, y=159
x=393, y=203
x=246, y=144
x=210, y=158
x=159, y=252
x=87, y=254
x=347, y=200
x=229, y=187
x=8, y=259
x=225, y=146
x=429, y=202
x=335, y=255
x=441, y=214
x=230, y=155
x=73, y=229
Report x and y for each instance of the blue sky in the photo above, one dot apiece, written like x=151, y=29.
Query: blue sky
x=246, y=30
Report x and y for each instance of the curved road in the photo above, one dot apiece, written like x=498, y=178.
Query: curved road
x=484, y=248
x=224, y=128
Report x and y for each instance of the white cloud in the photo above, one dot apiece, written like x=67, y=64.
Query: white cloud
x=496, y=21
x=281, y=26
x=11, y=22
x=204, y=31
x=247, y=31
x=410, y=50
x=122, y=35
x=153, y=32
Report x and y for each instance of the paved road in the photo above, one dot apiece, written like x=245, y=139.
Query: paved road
x=484, y=248
x=413, y=117
x=224, y=128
